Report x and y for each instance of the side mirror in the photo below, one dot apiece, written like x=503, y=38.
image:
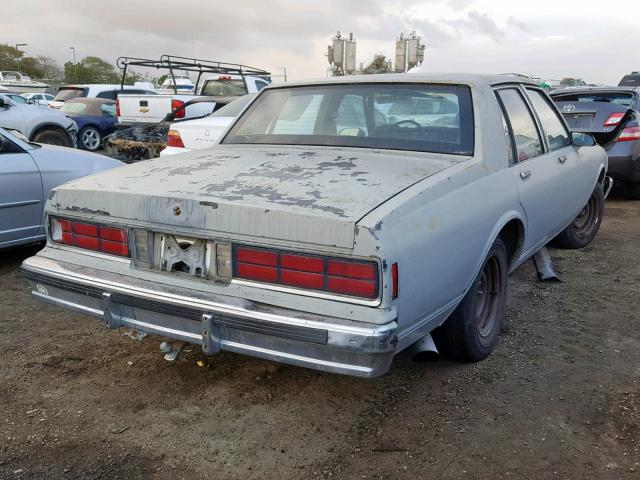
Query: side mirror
x=4, y=103
x=583, y=139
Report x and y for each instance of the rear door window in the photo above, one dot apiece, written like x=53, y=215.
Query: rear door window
x=108, y=94
x=555, y=131
x=521, y=123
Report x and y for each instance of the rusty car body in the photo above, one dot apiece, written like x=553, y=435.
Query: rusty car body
x=338, y=222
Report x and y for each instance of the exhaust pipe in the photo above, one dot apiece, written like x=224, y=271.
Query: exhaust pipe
x=424, y=350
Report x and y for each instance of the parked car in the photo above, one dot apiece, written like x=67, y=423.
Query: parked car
x=41, y=125
x=28, y=172
x=318, y=233
x=201, y=133
x=631, y=80
x=43, y=99
x=611, y=115
x=108, y=91
x=95, y=117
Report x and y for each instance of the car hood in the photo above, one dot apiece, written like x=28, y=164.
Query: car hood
x=303, y=194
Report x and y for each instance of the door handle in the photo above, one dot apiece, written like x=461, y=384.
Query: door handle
x=524, y=175
x=562, y=159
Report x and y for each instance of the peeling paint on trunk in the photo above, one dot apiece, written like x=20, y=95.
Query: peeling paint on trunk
x=286, y=193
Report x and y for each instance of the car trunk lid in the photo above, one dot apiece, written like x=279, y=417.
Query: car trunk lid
x=604, y=120
x=310, y=195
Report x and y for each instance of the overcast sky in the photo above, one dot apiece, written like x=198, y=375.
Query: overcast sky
x=596, y=41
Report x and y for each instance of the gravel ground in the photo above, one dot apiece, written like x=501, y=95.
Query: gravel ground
x=559, y=398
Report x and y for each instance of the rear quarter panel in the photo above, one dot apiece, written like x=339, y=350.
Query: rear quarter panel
x=440, y=230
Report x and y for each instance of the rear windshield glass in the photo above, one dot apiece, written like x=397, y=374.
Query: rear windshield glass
x=73, y=108
x=67, y=93
x=625, y=99
x=630, y=81
x=423, y=117
x=234, y=108
x=224, y=88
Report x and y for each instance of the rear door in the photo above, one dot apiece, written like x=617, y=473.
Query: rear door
x=535, y=169
x=21, y=198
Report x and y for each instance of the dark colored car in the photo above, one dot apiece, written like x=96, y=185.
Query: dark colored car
x=611, y=115
x=95, y=117
x=631, y=80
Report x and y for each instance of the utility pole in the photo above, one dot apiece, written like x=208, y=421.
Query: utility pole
x=284, y=73
x=75, y=65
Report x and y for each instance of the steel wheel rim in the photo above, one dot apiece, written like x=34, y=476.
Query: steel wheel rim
x=488, y=297
x=91, y=139
x=586, y=221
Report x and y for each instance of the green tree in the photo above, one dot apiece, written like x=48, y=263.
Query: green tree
x=90, y=70
x=12, y=58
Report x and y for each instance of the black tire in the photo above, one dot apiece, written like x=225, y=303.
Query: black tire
x=471, y=332
x=89, y=138
x=584, y=228
x=53, y=136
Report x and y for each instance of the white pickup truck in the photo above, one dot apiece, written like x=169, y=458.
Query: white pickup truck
x=138, y=109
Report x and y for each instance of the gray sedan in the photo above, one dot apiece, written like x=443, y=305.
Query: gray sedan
x=28, y=171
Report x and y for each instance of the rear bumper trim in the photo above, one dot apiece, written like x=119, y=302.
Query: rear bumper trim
x=315, y=341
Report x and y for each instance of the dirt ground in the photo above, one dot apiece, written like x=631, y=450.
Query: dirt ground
x=560, y=397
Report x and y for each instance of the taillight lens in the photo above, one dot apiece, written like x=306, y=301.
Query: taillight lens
x=394, y=279
x=117, y=107
x=174, y=139
x=613, y=119
x=100, y=238
x=628, y=134
x=356, y=278
x=176, y=107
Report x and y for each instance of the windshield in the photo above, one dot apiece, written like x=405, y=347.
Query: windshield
x=73, y=107
x=18, y=98
x=67, y=93
x=234, y=108
x=423, y=117
x=224, y=88
x=619, y=98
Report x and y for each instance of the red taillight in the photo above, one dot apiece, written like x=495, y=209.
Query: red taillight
x=628, y=134
x=333, y=275
x=111, y=240
x=394, y=279
x=176, y=108
x=613, y=119
x=224, y=77
x=117, y=107
x=174, y=139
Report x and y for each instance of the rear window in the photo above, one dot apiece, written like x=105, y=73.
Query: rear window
x=630, y=81
x=619, y=98
x=67, y=93
x=420, y=117
x=224, y=88
x=74, y=108
x=234, y=108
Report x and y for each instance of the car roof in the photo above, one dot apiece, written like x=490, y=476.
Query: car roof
x=471, y=79
x=612, y=89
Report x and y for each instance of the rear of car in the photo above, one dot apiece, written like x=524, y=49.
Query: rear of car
x=201, y=133
x=257, y=246
x=611, y=116
x=631, y=80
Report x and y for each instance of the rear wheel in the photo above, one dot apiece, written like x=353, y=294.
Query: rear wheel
x=90, y=139
x=584, y=228
x=53, y=136
x=471, y=332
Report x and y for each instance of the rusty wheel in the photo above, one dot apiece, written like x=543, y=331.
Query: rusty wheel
x=472, y=330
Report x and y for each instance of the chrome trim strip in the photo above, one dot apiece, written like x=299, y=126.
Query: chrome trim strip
x=291, y=358
x=23, y=203
x=70, y=305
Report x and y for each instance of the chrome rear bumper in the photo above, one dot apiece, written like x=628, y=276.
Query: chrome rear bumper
x=222, y=323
